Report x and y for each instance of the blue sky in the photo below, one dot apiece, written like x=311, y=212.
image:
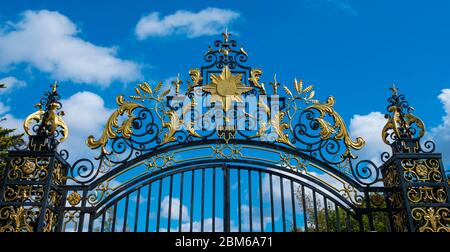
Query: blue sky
x=353, y=50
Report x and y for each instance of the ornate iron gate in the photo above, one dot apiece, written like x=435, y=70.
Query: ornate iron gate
x=223, y=153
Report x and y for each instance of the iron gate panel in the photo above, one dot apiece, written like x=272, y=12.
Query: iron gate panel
x=238, y=154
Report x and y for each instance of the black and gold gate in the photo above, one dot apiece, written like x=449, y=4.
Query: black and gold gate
x=224, y=151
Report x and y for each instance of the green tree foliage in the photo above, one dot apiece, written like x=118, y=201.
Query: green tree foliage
x=334, y=218
x=7, y=140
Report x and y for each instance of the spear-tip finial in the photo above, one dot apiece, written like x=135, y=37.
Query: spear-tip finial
x=394, y=90
x=226, y=34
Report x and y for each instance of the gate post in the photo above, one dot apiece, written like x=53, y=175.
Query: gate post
x=418, y=189
x=30, y=197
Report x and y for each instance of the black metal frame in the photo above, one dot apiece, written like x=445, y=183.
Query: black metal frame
x=79, y=194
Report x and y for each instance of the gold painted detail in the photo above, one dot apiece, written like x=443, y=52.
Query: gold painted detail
x=427, y=194
x=339, y=129
x=112, y=128
x=227, y=151
x=48, y=117
x=399, y=219
x=71, y=217
x=377, y=199
x=401, y=125
x=23, y=193
x=74, y=198
x=226, y=88
x=292, y=162
x=17, y=219
x=159, y=161
x=101, y=191
x=255, y=75
x=51, y=219
x=29, y=168
x=432, y=219
x=421, y=170
x=390, y=178
x=350, y=193
x=277, y=126
x=396, y=199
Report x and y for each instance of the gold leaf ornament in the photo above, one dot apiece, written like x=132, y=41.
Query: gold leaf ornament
x=112, y=128
x=339, y=128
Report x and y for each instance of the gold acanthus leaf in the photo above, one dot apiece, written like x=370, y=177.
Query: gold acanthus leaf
x=174, y=124
x=339, y=129
x=395, y=123
x=112, y=128
x=279, y=126
x=255, y=75
x=53, y=119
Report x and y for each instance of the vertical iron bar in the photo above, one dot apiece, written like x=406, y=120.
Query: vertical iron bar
x=226, y=199
x=348, y=221
x=147, y=217
x=369, y=209
x=316, y=218
x=326, y=213
x=159, y=205
x=338, y=219
x=138, y=198
x=261, y=213
x=294, y=217
x=102, y=227
x=271, y=203
x=113, y=225
x=250, y=199
x=180, y=214
x=203, y=201
x=239, y=199
x=214, y=201
x=169, y=214
x=304, y=209
x=192, y=201
x=283, y=214
x=124, y=228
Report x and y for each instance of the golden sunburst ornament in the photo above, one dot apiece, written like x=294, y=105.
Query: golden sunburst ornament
x=226, y=88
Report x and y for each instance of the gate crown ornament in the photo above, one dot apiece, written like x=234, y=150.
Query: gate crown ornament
x=297, y=119
x=403, y=130
x=45, y=127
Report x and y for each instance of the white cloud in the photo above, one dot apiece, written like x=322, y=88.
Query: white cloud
x=3, y=108
x=85, y=114
x=441, y=133
x=48, y=41
x=369, y=127
x=207, y=225
x=209, y=21
x=175, y=209
x=11, y=122
x=11, y=84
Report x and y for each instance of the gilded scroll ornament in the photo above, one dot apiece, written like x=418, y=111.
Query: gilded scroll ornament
x=17, y=219
x=401, y=124
x=432, y=219
x=255, y=75
x=112, y=128
x=338, y=129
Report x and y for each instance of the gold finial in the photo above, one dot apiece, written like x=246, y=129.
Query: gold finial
x=54, y=87
x=177, y=84
x=226, y=35
x=274, y=84
x=394, y=90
